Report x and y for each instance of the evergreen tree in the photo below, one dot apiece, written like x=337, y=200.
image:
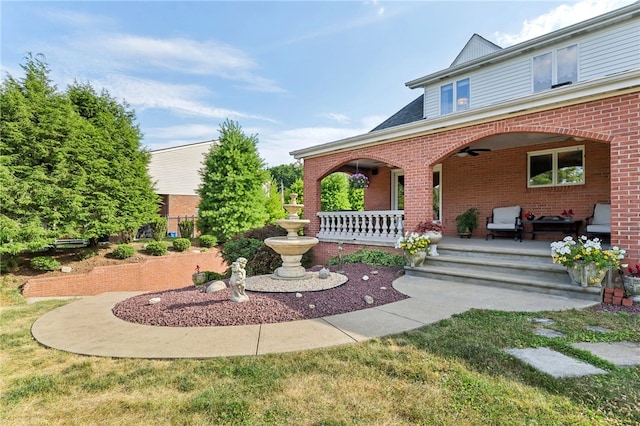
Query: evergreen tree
x=71, y=164
x=232, y=194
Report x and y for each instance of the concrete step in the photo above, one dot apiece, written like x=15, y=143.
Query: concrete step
x=521, y=266
x=515, y=252
x=507, y=280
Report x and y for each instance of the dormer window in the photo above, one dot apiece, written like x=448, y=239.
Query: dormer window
x=458, y=91
x=555, y=68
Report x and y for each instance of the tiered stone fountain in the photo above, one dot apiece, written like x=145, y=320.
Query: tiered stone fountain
x=293, y=246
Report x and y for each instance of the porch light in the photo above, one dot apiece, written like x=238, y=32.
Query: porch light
x=462, y=154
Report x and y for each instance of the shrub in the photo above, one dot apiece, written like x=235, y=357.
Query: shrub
x=212, y=276
x=123, y=251
x=159, y=228
x=9, y=263
x=157, y=248
x=371, y=257
x=85, y=254
x=261, y=260
x=208, y=240
x=44, y=263
x=186, y=228
x=181, y=244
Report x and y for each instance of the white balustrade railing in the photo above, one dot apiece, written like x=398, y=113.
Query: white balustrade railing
x=381, y=226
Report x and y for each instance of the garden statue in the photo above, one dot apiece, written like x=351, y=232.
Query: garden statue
x=237, y=281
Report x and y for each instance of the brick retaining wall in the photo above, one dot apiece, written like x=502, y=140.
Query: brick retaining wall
x=151, y=274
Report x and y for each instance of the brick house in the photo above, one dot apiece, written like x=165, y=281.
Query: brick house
x=175, y=172
x=569, y=99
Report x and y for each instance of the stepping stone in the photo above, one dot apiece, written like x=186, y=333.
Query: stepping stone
x=554, y=363
x=548, y=333
x=545, y=321
x=622, y=354
x=597, y=328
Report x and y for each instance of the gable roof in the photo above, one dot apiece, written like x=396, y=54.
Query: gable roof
x=414, y=111
x=476, y=47
x=176, y=170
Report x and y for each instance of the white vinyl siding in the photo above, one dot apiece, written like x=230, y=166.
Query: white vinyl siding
x=176, y=171
x=600, y=53
x=614, y=50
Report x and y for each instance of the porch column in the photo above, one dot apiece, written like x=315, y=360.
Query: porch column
x=625, y=196
x=418, y=184
x=311, y=199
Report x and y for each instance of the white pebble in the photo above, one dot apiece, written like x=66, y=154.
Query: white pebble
x=383, y=288
x=298, y=295
x=312, y=306
x=66, y=269
x=154, y=300
x=374, y=272
x=368, y=299
x=365, y=278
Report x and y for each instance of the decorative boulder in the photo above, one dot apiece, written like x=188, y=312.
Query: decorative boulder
x=324, y=273
x=215, y=286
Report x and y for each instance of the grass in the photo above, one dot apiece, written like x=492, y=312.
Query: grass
x=451, y=372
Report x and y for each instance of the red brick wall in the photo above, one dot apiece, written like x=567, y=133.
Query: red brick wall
x=610, y=127
x=325, y=251
x=152, y=274
x=499, y=178
x=179, y=206
x=378, y=195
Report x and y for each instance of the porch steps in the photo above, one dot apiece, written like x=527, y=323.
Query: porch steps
x=513, y=265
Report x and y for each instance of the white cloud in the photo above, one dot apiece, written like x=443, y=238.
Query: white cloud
x=179, y=55
x=180, y=99
x=559, y=17
x=340, y=118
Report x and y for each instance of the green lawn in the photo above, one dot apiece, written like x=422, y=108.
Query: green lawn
x=450, y=373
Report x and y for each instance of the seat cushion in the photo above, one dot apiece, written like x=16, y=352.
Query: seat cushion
x=598, y=229
x=502, y=226
x=506, y=215
x=602, y=214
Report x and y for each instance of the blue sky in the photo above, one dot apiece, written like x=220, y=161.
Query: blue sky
x=296, y=74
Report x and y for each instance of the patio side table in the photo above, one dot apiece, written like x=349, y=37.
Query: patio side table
x=554, y=225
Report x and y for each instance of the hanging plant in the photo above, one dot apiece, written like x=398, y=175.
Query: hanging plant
x=358, y=181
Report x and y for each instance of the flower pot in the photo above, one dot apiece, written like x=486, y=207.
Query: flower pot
x=586, y=274
x=575, y=273
x=416, y=259
x=434, y=239
x=199, y=278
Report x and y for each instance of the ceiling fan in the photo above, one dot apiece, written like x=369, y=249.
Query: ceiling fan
x=467, y=150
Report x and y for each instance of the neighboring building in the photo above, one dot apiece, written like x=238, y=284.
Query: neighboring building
x=176, y=174
x=549, y=124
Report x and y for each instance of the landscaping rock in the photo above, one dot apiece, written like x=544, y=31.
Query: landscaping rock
x=368, y=299
x=597, y=328
x=66, y=269
x=545, y=332
x=216, y=286
x=545, y=321
x=154, y=300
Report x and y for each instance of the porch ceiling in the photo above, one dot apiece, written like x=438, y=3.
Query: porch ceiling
x=494, y=143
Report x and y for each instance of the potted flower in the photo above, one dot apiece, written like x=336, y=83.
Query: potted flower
x=432, y=229
x=358, y=181
x=586, y=261
x=567, y=214
x=466, y=222
x=632, y=283
x=198, y=277
x=414, y=246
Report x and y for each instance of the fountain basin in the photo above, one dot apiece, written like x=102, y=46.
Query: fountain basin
x=291, y=250
x=292, y=226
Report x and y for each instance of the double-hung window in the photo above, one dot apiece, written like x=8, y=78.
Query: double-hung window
x=555, y=68
x=556, y=167
x=454, y=96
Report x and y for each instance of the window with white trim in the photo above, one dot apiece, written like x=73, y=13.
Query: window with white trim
x=555, y=68
x=459, y=92
x=556, y=167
